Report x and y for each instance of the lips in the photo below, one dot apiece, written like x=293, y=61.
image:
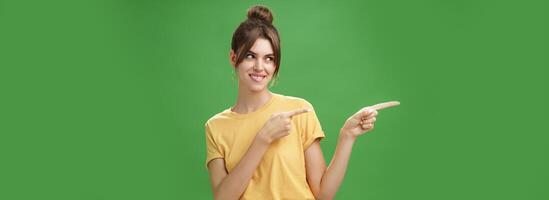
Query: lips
x=257, y=77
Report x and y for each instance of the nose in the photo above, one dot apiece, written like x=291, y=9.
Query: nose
x=258, y=66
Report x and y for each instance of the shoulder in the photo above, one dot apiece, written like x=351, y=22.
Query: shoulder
x=218, y=118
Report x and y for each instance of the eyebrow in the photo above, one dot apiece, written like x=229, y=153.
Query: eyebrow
x=250, y=51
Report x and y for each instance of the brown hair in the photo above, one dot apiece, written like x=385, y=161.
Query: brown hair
x=258, y=25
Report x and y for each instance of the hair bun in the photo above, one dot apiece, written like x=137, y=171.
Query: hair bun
x=260, y=12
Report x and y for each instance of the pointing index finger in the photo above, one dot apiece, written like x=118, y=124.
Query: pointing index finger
x=298, y=111
x=384, y=105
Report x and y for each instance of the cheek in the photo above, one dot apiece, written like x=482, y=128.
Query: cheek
x=242, y=75
x=271, y=69
x=243, y=68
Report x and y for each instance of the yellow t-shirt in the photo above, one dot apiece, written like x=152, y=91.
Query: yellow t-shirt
x=281, y=172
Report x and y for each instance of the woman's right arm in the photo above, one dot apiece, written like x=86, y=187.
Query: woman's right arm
x=231, y=185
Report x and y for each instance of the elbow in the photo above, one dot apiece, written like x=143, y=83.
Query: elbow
x=318, y=192
x=322, y=196
x=220, y=196
x=315, y=191
x=217, y=195
x=317, y=196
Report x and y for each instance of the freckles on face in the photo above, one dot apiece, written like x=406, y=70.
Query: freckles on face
x=257, y=68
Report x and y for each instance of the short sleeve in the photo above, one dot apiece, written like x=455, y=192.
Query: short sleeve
x=310, y=127
x=212, y=150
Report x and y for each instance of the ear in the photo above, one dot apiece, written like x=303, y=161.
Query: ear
x=232, y=58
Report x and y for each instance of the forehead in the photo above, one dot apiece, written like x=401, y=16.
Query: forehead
x=262, y=46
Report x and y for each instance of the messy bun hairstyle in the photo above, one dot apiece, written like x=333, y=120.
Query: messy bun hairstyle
x=260, y=13
x=257, y=25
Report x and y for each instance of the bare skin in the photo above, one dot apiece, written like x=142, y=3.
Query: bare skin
x=254, y=74
x=324, y=182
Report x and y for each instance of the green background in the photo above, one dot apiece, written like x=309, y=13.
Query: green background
x=108, y=99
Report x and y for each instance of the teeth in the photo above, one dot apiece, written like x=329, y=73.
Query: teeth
x=256, y=77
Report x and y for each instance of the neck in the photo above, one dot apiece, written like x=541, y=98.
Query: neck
x=248, y=101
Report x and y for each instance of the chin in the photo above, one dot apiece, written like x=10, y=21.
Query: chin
x=257, y=88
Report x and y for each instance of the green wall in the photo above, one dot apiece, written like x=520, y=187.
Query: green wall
x=108, y=99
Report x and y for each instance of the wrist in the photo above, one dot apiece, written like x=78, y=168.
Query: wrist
x=344, y=135
x=262, y=138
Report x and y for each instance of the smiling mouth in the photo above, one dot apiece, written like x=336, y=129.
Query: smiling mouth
x=257, y=78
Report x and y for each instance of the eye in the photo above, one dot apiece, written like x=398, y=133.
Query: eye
x=270, y=58
x=249, y=56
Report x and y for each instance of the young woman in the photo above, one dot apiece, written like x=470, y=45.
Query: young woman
x=266, y=146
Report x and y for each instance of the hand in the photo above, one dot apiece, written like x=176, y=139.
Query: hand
x=279, y=125
x=363, y=121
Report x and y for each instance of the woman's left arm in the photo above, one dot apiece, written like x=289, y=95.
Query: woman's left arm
x=324, y=182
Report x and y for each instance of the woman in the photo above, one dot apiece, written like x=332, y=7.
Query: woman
x=266, y=146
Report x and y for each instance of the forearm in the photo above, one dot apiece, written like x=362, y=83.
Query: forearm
x=234, y=184
x=334, y=174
